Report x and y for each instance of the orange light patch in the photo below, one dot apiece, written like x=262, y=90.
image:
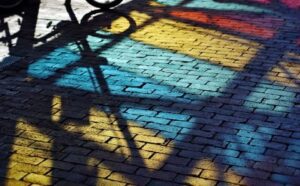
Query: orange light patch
x=225, y=22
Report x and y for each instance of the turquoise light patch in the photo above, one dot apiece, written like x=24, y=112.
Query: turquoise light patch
x=270, y=98
x=213, y=5
x=80, y=78
x=156, y=64
x=170, y=3
x=48, y=65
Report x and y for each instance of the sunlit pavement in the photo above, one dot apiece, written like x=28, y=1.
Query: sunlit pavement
x=154, y=92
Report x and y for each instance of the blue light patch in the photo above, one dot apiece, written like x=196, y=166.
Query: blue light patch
x=213, y=5
x=48, y=65
x=202, y=75
x=268, y=97
x=170, y=3
x=80, y=78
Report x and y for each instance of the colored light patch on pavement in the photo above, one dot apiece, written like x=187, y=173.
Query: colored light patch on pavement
x=270, y=98
x=56, y=111
x=213, y=5
x=287, y=72
x=137, y=67
x=25, y=161
x=119, y=138
x=283, y=77
x=48, y=65
x=155, y=64
x=95, y=42
x=124, y=84
x=130, y=74
x=125, y=76
x=212, y=169
x=81, y=78
x=229, y=23
x=170, y=3
x=126, y=80
x=201, y=43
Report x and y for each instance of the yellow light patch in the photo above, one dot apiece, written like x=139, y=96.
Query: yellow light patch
x=109, y=132
x=216, y=171
x=121, y=177
x=206, y=164
x=201, y=43
x=232, y=177
x=56, y=110
x=156, y=4
x=198, y=181
x=229, y=177
x=13, y=174
x=122, y=24
x=29, y=131
x=98, y=116
x=118, y=137
x=27, y=155
x=287, y=73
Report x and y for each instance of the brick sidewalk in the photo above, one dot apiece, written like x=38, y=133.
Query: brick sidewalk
x=152, y=93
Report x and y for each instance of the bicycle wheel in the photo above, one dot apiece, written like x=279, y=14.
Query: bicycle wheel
x=8, y=4
x=104, y=4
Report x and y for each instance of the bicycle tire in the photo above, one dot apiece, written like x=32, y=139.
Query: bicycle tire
x=10, y=4
x=103, y=5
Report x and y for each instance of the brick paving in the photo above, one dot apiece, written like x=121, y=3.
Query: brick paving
x=160, y=92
